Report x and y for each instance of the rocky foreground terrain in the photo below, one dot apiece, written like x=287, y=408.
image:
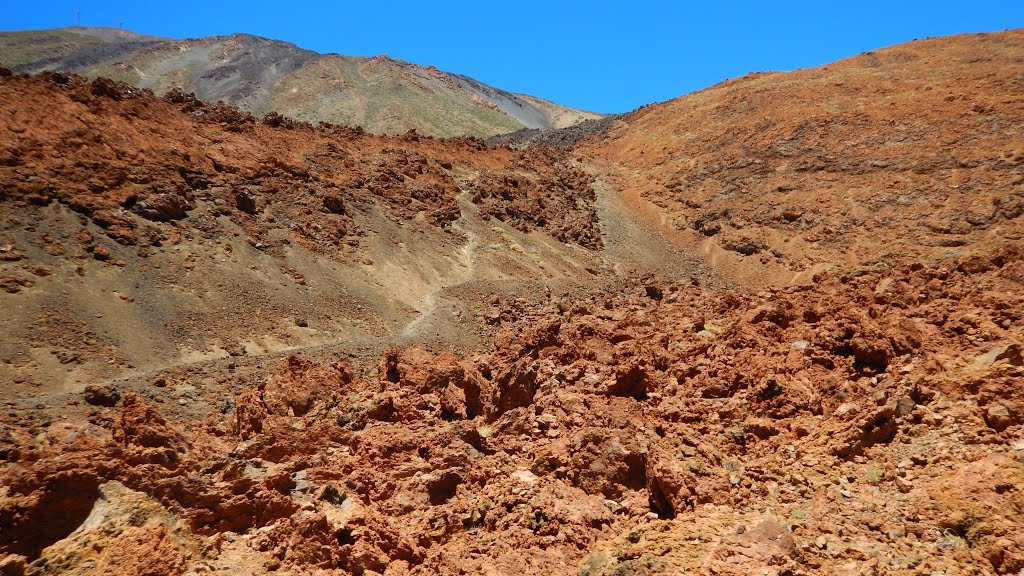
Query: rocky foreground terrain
x=773, y=327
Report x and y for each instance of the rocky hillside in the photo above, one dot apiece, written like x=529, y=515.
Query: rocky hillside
x=788, y=341
x=329, y=236
x=258, y=75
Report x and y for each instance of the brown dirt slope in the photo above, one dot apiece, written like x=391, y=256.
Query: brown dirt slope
x=913, y=151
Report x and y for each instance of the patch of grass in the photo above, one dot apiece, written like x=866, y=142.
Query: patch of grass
x=20, y=48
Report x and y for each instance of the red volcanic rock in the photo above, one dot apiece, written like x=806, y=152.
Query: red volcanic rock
x=143, y=551
x=101, y=395
x=440, y=462
x=301, y=386
x=459, y=389
x=137, y=160
x=170, y=205
x=250, y=412
x=138, y=424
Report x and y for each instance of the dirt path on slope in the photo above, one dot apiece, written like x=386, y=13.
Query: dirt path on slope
x=468, y=253
x=635, y=240
x=640, y=238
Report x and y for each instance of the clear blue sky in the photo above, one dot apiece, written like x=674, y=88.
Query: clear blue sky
x=599, y=55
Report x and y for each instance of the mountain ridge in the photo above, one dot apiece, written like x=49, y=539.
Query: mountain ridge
x=262, y=75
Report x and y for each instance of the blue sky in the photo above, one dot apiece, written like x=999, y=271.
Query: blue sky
x=601, y=56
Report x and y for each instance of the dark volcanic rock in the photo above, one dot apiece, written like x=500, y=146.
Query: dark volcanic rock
x=559, y=137
x=101, y=395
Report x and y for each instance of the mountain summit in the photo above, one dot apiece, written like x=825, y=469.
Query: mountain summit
x=259, y=75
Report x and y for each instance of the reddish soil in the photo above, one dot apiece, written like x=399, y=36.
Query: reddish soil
x=652, y=389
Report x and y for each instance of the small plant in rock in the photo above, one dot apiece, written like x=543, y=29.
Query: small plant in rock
x=950, y=539
x=712, y=327
x=873, y=475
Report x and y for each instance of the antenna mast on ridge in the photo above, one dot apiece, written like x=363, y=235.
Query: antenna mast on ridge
x=78, y=17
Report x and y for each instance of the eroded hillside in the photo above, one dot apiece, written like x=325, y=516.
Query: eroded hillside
x=142, y=233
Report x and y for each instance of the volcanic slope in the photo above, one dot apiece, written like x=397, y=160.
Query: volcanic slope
x=143, y=233
x=259, y=75
x=909, y=152
x=521, y=366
